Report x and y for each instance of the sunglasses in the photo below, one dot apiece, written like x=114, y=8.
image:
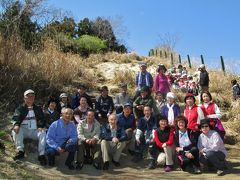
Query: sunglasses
x=204, y=126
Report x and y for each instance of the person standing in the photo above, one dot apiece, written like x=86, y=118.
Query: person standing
x=29, y=122
x=203, y=79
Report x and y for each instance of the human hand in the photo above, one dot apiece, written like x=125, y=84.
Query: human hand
x=178, y=149
x=60, y=150
x=115, y=140
x=137, y=141
x=16, y=129
x=189, y=155
x=164, y=145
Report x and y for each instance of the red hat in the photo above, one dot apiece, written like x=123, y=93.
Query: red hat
x=189, y=95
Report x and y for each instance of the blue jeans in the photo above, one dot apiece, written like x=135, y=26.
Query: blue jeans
x=214, y=158
x=70, y=148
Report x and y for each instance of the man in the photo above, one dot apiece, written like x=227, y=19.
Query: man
x=104, y=105
x=29, y=122
x=145, y=128
x=81, y=92
x=127, y=121
x=113, y=142
x=121, y=98
x=203, y=79
x=143, y=78
x=88, y=137
x=62, y=137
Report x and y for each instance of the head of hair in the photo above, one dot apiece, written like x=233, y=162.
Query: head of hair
x=64, y=110
x=205, y=92
x=234, y=81
x=181, y=118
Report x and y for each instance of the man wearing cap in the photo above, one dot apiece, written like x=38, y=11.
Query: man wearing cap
x=127, y=121
x=29, y=122
x=203, y=79
x=64, y=101
x=81, y=92
x=143, y=78
x=121, y=98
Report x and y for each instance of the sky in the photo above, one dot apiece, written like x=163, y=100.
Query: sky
x=207, y=27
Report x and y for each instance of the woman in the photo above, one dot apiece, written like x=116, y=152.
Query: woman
x=80, y=112
x=211, y=111
x=211, y=148
x=161, y=83
x=192, y=112
x=171, y=110
x=186, y=145
x=51, y=113
x=160, y=102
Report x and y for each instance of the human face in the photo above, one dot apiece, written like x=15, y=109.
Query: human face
x=90, y=117
x=67, y=115
x=205, y=97
x=190, y=101
x=205, y=128
x=181, y=125
x=104, y=92
x=83, y=102
x=170, y=101
x=29, y=99
x=144, y=94
x=159, y=98
x=127, y=111
x=163, y=123
x=124, y=90
x=82, y=91
x=112, y=119
x=52, y=105
x=64, y=99
x=147, y=111
x=143, y=68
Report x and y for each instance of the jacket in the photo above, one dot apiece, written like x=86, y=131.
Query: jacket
x=85, y=133
x=107, y=135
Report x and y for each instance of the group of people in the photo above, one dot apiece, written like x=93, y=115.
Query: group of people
x=98, y=132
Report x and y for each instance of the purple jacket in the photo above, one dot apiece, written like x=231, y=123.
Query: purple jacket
x=161, y=84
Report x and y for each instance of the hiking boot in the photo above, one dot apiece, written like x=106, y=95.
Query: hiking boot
x=42, y=160
x=19, y=155
x=152, y=165
x=117, y=164
x=106, y=165
x=168, y=169
x=79, y=165
x=220, y=172
x=97, y=165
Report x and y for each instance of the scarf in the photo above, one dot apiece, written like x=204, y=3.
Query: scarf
x=140, y=79
x=170, y=114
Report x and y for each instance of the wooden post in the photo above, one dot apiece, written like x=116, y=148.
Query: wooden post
x=172, y=59
x=156, y=52
x=160, y=53
x=189, y=61
x=179, y=59
x=149, y=53
x=223, y=65
x=202, y=60
x=165, y=54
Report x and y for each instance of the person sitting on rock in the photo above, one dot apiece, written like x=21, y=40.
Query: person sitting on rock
x=88, y=141
x=80, y=112
x=161, y=151
x=186, y=145
x=121, y=98
x=51, y=113
x=104, y=105
x=62, y=137
x=29, y=122
x=171, y=110
x=126, y=120
x=145, y=99
x=113, y=141
x=144, y=132
x=64, y=101
x=160, y=102
x=211, y=148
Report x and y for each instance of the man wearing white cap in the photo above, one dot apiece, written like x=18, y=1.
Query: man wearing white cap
x=29, y=122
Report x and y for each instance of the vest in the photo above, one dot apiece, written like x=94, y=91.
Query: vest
x=192, y=116
x=209, y=110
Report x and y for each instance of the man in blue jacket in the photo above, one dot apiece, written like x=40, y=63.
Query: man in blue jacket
x=62, y=137
x=113, y=141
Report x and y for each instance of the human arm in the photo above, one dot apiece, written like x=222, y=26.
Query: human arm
x=217, y=112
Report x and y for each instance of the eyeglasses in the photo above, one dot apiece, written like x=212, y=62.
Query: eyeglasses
x=204, y=126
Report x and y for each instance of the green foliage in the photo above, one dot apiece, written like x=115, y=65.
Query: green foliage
x=85, y=27
x=89, y=44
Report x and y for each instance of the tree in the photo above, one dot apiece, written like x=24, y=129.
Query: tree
x=85, y=27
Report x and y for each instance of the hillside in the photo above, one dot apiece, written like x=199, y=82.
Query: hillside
x=50, y=72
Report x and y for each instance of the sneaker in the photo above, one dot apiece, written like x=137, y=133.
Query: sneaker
x=19, y=155
x=106, y=165
x=79, y=165
x=152, y=165
x=42, y=160
x=220, y=172
x=168, y=169
x=196, y=170
x=117, y=164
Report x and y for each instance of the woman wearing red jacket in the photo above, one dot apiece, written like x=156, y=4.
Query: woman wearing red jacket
x=161, y=151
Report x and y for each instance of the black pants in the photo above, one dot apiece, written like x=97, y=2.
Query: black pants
x=214, y=158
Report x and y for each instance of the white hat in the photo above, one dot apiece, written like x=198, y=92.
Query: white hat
x=202, y=66
x=171, y=95
x=63, y=95
x=29, y=91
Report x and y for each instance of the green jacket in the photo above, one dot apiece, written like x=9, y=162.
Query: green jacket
x=148, y=101
x=22, y=111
